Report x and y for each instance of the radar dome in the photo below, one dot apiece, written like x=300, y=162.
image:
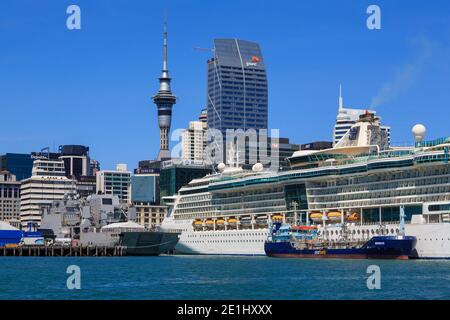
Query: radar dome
x=257, y=167
x=419, y=131
x=221, y=166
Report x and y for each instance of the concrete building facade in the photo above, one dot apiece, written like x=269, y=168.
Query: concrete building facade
x=149, y=215
x=116, y=182
x=193, y=142
x=47, y=184
x=9, y=198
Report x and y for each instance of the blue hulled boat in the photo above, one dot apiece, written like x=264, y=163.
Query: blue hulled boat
x=9, y=235
x=13, y=236
x=306, y=242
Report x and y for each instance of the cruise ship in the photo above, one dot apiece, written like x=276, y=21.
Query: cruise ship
x=361, y=183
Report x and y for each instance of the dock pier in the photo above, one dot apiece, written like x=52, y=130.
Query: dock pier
x=63, y=251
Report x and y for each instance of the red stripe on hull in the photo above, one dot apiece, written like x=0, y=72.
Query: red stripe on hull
x=336, y=256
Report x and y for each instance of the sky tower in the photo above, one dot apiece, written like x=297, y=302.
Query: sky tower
x=164, y=101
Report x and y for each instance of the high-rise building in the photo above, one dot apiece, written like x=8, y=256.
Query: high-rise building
x=47, y=184
x=347, y=117
x=175, y=174
x=116, y=182
x=17, y=164
x=76, y=160
x=237, y=96
x=144, y=188
x=145, y=195
x=193, y=142
x=9, y=198
x=164, y=101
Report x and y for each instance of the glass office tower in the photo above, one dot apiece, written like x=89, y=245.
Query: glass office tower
x=237, y=86
x=17, y=164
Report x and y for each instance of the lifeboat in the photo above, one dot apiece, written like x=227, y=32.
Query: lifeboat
x=354, y=216
x=209, y=223
x=220, y=221
x=316, y=216
x=277, y=217
x=232, y=221
x=198, y=223
x=334, y=216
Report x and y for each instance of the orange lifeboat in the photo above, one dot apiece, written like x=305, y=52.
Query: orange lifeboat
x=198, y=223
x=209, y=223
x=316, y=216
x=354, y=216
x=334, y=216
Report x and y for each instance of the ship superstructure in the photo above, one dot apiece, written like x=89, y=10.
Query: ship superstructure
x=357, y=185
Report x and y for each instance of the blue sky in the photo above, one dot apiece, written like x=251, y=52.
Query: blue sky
x=93, y=86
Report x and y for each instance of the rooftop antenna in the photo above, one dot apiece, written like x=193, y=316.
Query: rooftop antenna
x=341, y=102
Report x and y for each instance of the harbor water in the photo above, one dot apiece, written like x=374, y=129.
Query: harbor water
x=221, y=277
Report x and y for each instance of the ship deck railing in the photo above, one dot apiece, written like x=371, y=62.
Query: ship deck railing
x=165, y=230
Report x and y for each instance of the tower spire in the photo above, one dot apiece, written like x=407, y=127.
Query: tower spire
x=164, y=100
x=165, y=44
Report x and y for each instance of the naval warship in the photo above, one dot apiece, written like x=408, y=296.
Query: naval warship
x=103, y=220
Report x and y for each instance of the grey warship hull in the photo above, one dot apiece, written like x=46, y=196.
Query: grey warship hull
x=149, y=243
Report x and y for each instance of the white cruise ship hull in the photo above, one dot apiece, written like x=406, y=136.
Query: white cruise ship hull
x=218, y=242
x=433, y=240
